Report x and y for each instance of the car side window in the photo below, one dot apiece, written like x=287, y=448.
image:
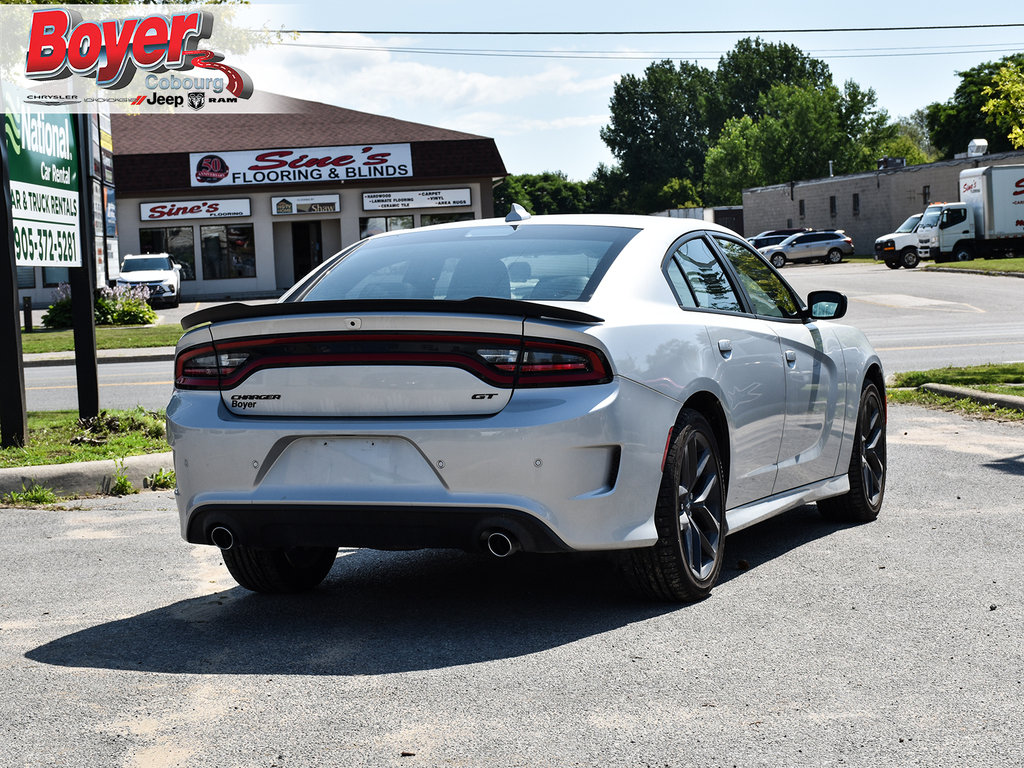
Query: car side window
x=769, y=296
x=704, y=276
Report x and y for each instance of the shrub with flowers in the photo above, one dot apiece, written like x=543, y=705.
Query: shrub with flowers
x=123, y=305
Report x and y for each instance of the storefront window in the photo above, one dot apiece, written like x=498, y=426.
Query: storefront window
x=54, y=276
x=26, y=277
x=228, y=251
x=179, y=242
x=443, y=218
x=374, y=225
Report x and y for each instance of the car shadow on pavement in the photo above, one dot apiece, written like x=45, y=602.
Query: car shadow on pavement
x=387, y=612
x=1011, y=465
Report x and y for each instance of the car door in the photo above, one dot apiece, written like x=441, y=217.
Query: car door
x=813, y=360
x=748, y=368
x=802, y=248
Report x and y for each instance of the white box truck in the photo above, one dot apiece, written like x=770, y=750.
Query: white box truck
x=987, y=222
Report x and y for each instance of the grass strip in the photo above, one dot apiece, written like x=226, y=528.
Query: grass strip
x=982, y=265
x=121, y=337
x=964, y=376
x=59, y=437
x=963, y=406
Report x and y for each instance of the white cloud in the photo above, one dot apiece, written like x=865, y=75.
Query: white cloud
x=502, y=124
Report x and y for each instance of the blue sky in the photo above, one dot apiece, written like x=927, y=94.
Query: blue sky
x=546, y=113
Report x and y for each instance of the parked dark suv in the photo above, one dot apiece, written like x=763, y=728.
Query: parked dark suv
x=827, y=246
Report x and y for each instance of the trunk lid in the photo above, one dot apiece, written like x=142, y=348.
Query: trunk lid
x=367, y=365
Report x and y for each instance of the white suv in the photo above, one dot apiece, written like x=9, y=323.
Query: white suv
x=156, y=272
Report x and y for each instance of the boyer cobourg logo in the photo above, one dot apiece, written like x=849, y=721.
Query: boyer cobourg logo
x=61, y=45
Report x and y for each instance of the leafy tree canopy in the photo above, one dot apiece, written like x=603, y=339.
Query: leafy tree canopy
x=1006, y=103
x=954, y=123
x=540, y=193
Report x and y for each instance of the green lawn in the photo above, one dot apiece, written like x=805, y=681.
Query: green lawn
x=1006, y=373
x=988, y=378
x=984, y=265
x=125, y=337
x=58, y=437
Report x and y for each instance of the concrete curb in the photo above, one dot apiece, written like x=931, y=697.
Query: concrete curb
x=83, y=477
x=143, y=355
x=1012, y=402
x=974, y=272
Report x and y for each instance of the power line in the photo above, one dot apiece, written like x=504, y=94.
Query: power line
x=639, y=56
x=619, y=33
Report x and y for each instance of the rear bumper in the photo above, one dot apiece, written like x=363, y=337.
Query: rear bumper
x=574, y=468
x=376, y=527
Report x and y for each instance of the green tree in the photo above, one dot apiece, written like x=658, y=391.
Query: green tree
x=540, y=193
x=658, y=129
x=733, y=163
x=1006, y=103
x=606, y=191
x=954, y=123
x=802, y=133
x=752, y=68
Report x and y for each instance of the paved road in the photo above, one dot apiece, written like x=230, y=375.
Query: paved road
x=915, y=319
x=918, y=319
x=891, y=644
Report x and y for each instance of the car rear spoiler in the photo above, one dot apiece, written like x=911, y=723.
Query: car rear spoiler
x=480, y=305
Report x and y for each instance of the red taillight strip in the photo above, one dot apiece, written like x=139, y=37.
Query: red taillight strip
x=193, y=382
x=588, y=367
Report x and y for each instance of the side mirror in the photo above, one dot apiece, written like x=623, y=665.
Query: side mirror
x=176, y=266
x=825, y=305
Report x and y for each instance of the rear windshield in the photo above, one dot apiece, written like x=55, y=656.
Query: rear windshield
x=140, y=265
x=546, y=262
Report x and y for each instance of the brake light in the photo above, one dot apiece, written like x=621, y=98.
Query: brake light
x=546, y=364
x=501, y=361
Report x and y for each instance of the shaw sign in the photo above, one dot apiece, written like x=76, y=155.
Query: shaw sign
x=308, y=164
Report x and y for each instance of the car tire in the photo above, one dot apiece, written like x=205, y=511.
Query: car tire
x=909, y=258
x=834, y=256
x=892, y=264
x=863, y=501
x=685, y=562
x=963, y=253
x=276, y=571
x=778, y=260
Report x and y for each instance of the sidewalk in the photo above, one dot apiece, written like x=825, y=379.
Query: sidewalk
x=139, y=355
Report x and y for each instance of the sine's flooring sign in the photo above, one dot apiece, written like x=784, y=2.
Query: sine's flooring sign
x=43, y=167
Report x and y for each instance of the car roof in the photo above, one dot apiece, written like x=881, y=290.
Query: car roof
x=656, y=224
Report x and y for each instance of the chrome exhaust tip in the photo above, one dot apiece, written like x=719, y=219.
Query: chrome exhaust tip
x=501, y=544
x=222, y=538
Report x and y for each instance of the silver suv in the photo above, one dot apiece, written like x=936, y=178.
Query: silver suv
x=827, y=246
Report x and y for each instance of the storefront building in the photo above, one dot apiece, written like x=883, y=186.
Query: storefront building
x=248, y=203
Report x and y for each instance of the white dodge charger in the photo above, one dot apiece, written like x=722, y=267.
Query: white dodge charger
x=634, y=384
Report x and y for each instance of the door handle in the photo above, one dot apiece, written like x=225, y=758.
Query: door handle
x=790, y=358
x=725, y=348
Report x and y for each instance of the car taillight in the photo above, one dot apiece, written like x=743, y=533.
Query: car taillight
x=546, y=364
x=501, y=361
x=202, y=367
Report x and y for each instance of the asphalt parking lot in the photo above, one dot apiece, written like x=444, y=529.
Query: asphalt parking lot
x=895, y=643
